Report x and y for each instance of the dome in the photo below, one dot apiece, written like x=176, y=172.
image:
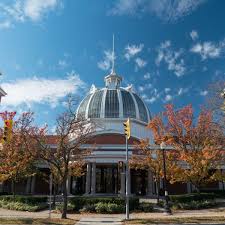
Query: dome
x=113, y=102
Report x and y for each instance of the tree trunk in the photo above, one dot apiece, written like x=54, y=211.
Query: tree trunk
x=65, y=200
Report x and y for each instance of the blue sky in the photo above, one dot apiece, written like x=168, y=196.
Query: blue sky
x=169, y=50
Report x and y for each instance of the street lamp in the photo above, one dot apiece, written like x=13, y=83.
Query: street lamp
x=167, y=208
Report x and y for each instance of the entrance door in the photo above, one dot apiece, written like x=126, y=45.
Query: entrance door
x=107, y=179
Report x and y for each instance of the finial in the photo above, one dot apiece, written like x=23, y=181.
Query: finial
x=113, y=58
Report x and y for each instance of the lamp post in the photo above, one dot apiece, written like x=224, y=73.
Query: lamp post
x=167, y=208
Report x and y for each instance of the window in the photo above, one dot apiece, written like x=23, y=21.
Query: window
x=95, y=105
x=142, y=110
x=111, y=104
x=83, y=106
x=128, y=105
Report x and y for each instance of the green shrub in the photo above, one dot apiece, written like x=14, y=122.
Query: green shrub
x=146, y=207
x=88, y=208
x=194, y=205
x=80, y=202
x=115, y=208
x=22, y=206
x=70, y=206
x=192, y=197
x=23, y=199
x=101, y=207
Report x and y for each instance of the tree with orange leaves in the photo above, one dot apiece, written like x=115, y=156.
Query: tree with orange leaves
x=16, y=159
x=68, y=159
x=149, y=156
x=198, y=144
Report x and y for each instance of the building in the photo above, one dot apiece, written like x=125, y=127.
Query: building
x=108, y=107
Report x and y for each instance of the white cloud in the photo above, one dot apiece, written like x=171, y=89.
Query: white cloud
x=23, y=10
x=194, y=35
x=107, y=60
x=145, y=87
x=203, y=93
x=166, y=10
x=182, y=91
x=168, y=98
x=62, y=63
x=208, y=49
x=140, y=63
x=147, y=76
x=5, y=24
x=167, y=90
x=35, y=9
x=40, y=90
x=132, y=50
x=172, y=58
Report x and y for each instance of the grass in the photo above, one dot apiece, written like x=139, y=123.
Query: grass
x=38, y=221
x=177, y=220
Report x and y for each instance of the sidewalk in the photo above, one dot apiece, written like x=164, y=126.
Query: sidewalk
x=101, y=220
x=207, y=213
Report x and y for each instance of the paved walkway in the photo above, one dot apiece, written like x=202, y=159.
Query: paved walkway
x=100, y=220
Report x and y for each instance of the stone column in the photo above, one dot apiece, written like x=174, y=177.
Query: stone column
x=68, y=185
x=33, y=180
x=150, y=183
x=93, y=178
x=88, y=179
x=28, y=185
x=122, y=183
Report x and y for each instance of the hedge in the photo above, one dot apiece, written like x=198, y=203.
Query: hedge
x=83, y=202
x=192, y=197
x=24, y=199
x=194, y=205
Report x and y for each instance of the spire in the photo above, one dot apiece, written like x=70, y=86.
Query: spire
x=113, y=80
x=113, y=57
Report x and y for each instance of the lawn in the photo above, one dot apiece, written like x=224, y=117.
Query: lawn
x=38, y=221
x=180, y=220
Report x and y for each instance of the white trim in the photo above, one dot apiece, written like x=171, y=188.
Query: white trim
x=136, y=106
x=88, y=104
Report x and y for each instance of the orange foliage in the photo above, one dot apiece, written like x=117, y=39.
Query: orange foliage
x=199, y=144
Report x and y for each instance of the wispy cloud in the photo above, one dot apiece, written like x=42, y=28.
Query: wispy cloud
x=166, y=10
x=23, y=10
x=62, y=63
x=168, y=98
x=147, y=76
x=140, y=63
x=40, y=90
x=105, y=64
x=182, y=91
x=5, y=24
x=132, y=50
x=208, y=49
x=194, y=35
x=203, y=93
x=172, y=58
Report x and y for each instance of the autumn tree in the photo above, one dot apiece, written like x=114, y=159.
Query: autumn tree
x=68, y=158
x=16, y=160
x=198, y=144
x=148, y=156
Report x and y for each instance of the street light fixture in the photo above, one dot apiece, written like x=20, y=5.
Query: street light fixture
x=167, y=208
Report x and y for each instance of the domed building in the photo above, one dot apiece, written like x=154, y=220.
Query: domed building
x=109, y=108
